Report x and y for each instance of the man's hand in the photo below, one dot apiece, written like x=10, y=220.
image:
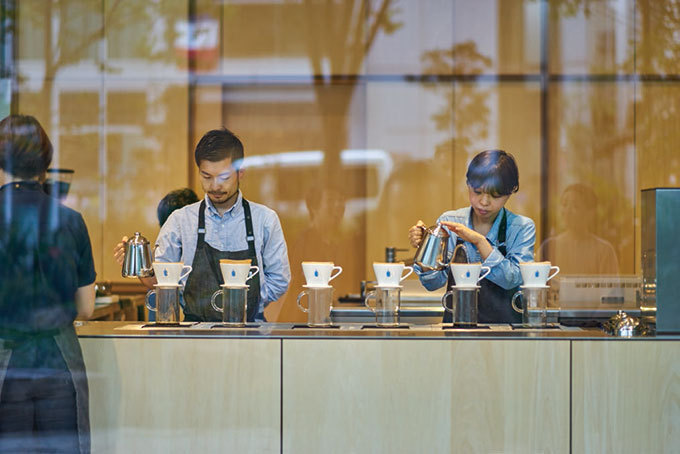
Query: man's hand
x=119, y=251
x=415, y=234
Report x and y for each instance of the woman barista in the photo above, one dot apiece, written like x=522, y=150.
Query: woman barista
x=490, y=234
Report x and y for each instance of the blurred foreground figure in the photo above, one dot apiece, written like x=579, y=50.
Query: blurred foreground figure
x=46, y=280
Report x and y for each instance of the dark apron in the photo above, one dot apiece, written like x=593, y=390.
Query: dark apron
x=69, y=347
x=206, y=278
x=494, y=301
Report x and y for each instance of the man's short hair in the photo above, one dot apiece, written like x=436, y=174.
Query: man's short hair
x=174, y=200
x=217, y=145
x=25, y=149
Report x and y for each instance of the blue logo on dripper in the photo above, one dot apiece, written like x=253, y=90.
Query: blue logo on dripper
x=233, y=273
x=467, y=274
x=165, y=272
x=316, y=273
x=389, y=274
x=536, y=273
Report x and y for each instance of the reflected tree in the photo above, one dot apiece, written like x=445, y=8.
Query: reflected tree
x=339, y=37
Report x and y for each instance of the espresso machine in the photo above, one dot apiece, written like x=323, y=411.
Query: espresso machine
x=660, y=259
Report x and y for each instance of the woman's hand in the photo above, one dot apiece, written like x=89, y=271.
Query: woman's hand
x=464, y=232
x=471, y=236
x=415, y=234
x=119, y=251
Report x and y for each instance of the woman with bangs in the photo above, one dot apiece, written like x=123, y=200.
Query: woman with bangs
x=490, y=234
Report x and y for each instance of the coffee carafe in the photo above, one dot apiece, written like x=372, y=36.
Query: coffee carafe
x=464, y=301
x=433, y=250
x=167, y=303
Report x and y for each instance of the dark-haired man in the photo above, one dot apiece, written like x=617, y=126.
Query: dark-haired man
x=224, y=225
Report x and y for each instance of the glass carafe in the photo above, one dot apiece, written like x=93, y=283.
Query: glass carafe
x=319, y=305
x=464, y=308
x=167, y=303
x=387, y=302
x=234, y=304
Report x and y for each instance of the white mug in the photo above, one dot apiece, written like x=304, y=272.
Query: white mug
x=319, y=274
x=390, y=274
x=170, y=273
x=236, y=274
x=537, y=274
x=467, y=274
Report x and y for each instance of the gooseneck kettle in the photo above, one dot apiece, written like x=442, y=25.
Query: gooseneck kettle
x=138, y=257
x=433, y=250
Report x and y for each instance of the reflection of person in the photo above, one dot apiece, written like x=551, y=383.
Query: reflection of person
x=46, y=280
x=490, y=234
x=222, y=226
x=577, y=250
x=323, y=241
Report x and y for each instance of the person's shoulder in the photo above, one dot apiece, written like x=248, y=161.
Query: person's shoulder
x=518, y=220
x=459, y=215
x=261, y=209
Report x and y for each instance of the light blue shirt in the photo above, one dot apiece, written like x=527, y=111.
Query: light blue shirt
x=520, y=237
x=178, y=238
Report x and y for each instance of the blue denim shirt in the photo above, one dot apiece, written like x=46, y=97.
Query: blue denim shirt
x=178, y=238
x=520, y=237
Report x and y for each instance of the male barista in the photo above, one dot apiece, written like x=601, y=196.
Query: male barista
x=223, y=225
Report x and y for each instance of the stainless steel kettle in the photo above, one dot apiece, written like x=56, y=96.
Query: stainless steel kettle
x=433, y=250
x=138, y=257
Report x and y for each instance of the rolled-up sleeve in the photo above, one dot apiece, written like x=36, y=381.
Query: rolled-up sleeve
x=276, y=268
x=520, y=248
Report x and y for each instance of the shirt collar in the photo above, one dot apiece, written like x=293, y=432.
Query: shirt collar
x=492, y=236
x=22, y=184
x=235, y=209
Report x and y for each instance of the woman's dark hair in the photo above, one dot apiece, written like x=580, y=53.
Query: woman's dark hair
x=25, y=149
x=217, y=145
x=174, y=200
x=494, y=172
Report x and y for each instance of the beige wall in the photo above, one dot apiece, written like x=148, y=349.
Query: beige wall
x=397, y=85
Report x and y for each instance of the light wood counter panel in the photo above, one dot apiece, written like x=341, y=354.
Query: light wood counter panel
x=184, y=395
x=626, y=396
x=425, y=396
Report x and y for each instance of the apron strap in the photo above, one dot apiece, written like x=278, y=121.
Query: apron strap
x=250, y=237
x=200, y=243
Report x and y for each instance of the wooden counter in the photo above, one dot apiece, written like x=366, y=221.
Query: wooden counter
x=276, y=389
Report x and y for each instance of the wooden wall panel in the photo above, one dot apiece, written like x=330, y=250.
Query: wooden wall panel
x=626, y=396
x=183, y=395
x=425, y=396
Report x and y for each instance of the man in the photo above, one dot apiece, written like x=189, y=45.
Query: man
x=46, y=279
x=223, y=225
